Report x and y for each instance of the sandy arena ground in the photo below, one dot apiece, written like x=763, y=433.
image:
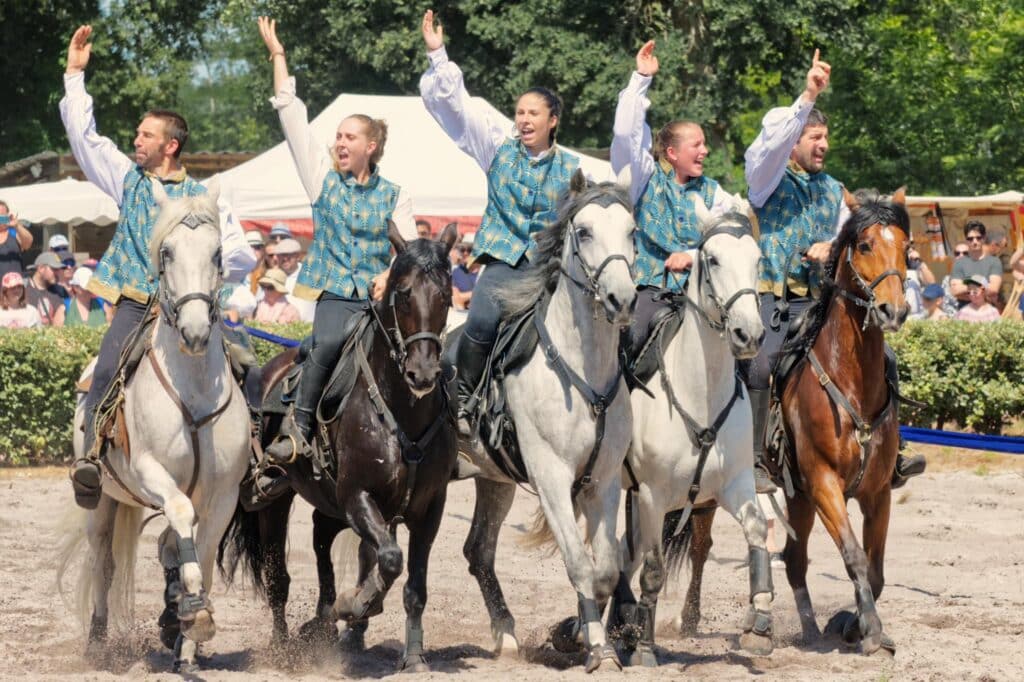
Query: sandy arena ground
x=954, y=599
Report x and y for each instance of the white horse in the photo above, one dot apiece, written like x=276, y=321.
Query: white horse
x=587, y=258
x=697, y=400
x=191, y=475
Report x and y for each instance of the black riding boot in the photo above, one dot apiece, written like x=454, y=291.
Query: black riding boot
x=905, y=466
x=470, y=361
x=293, y=440
x=759, y=402
x=86, y=476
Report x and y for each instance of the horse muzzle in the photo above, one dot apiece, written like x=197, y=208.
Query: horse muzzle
x=891, y=318
x=421, y=377
x=745, y=342
x=619, y=307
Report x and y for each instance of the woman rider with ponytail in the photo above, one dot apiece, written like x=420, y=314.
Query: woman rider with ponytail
x=352, y=204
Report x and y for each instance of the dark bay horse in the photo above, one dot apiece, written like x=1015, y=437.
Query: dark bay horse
x=394, y=448
x=839, y=415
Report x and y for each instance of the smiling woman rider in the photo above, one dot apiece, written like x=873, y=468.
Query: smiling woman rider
x=352, y=204
x=526, y=173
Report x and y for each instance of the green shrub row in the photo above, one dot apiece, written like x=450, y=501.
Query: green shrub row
x=970, y=376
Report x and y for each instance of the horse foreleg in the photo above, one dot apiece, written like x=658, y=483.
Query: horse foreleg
x=828, y=496
x=493, y=502
x=740, y=500
x=800, y=511
x=100, y=536
x=700, y=547
x=322, y=628
x=353, y=638
x=365, y=518
x=273, y=532
x=876, y=526
x=422, y=532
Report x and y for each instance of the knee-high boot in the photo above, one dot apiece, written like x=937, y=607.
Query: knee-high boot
x=759, y=402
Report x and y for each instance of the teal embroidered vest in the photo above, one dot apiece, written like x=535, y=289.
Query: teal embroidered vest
x=801, y=211
x=522, y=199
x=350, y=237
x=125, y=269
x=666, y=221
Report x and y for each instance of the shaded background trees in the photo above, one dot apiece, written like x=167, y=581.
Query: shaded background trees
x=924, y=95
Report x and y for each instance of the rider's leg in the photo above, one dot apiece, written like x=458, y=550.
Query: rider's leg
x=85, y=473
x=647, y=308
x=329, y=322
x=905, y=466
x=481, y=329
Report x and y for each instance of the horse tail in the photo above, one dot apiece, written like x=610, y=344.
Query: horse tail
x=676, y=546
x=241, y=545
x=540, y=536
x=345, y=557
x=72, y=531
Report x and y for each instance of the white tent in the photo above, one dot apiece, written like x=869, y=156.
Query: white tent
x=1005, y=201
x=419, y=156
x=68, y=201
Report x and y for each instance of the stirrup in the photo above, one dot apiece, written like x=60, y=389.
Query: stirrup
x=88, y=489
x=763, y=484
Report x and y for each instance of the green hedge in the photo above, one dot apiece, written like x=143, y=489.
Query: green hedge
x=970, y=375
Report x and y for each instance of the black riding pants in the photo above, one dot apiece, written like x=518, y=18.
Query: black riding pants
x=329, y=322
x=127, y=317
x=646, y=308
x=485, y=310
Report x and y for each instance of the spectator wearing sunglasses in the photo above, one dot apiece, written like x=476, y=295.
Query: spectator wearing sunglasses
x=975, y=263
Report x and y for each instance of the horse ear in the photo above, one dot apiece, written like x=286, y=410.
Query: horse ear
x=448, y=236
x=700, y=209
x=395, y=237
x=213, y=189
x=625, y=178
x=578, y=183
x=850, y=200
x=159, y=193
x=900, y=196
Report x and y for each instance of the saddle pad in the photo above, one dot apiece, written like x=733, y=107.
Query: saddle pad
x=643, y=362
x=800, y=338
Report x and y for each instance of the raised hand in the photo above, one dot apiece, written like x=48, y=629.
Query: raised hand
x=646, y=62
x=79, y=50
x=817, y=77
x=433, y=36
x=268, y=31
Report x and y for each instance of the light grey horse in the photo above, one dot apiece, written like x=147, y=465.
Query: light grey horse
x=586, y=258
x=692, y=430
x=185, y=377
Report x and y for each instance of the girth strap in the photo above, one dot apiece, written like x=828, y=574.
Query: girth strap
x=598, y=402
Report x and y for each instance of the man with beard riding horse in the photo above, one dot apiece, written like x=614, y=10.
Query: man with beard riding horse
x=800, y=209
x=124, y=275
x=347, y=263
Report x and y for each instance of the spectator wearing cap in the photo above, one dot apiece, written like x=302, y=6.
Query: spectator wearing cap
x=977, y=308
x=289, y=259
x=15, y=240
x=422, y=229
x=274, y=307
x=463, y=274
x=931, y=301
x=977, y=262
x=60, y=245
x=278, y=232
x=254, y=238
x=81, y=307
x=15, y=312
x=39, y=289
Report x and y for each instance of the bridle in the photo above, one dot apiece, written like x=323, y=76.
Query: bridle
x=869, y=302
x=591, y=276
x=170, y=307
x=399, y=344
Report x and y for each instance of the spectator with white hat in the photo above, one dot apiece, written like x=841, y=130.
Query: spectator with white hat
x=275, y=306
x=288, y=254
x=280, y=231
x=81, y=307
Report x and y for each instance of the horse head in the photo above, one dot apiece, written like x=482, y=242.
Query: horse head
x=416, y=301
x=723, y=281
x=186, y=253
x=598, y=249
x=869, y=257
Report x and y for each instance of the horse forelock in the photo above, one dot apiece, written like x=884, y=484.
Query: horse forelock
x=195, y=211
x=425, y=257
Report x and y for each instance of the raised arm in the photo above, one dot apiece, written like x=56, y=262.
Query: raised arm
x=767, y=157
x=99, y=158
x=311, y=161
x=445, y=97
x=631, y=140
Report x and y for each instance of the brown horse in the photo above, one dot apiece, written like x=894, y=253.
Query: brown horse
x=840, y=420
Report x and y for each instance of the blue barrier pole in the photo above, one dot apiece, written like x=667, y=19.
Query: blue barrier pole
x=266, y=336
x=972, y=441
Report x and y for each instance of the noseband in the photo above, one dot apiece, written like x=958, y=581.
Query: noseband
x=399, y=344
x=704, y=281
x=868, y=302
x=170, y=307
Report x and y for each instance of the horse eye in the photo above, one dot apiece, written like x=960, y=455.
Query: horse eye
x=217, y=257
x=583, y=233
x=864, y=247
x=712, y=261
x=166, y=254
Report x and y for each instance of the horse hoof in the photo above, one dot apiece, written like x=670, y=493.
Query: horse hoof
x=352, y=640
x=186, y=668
x=318, y=631
x=506, y=645
x=758, y=645
x=413, y=663
x=601, y=657
x=643, y=657
x=845, y=626
x=201, y=628
x=565, y=636
x=350, y=607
